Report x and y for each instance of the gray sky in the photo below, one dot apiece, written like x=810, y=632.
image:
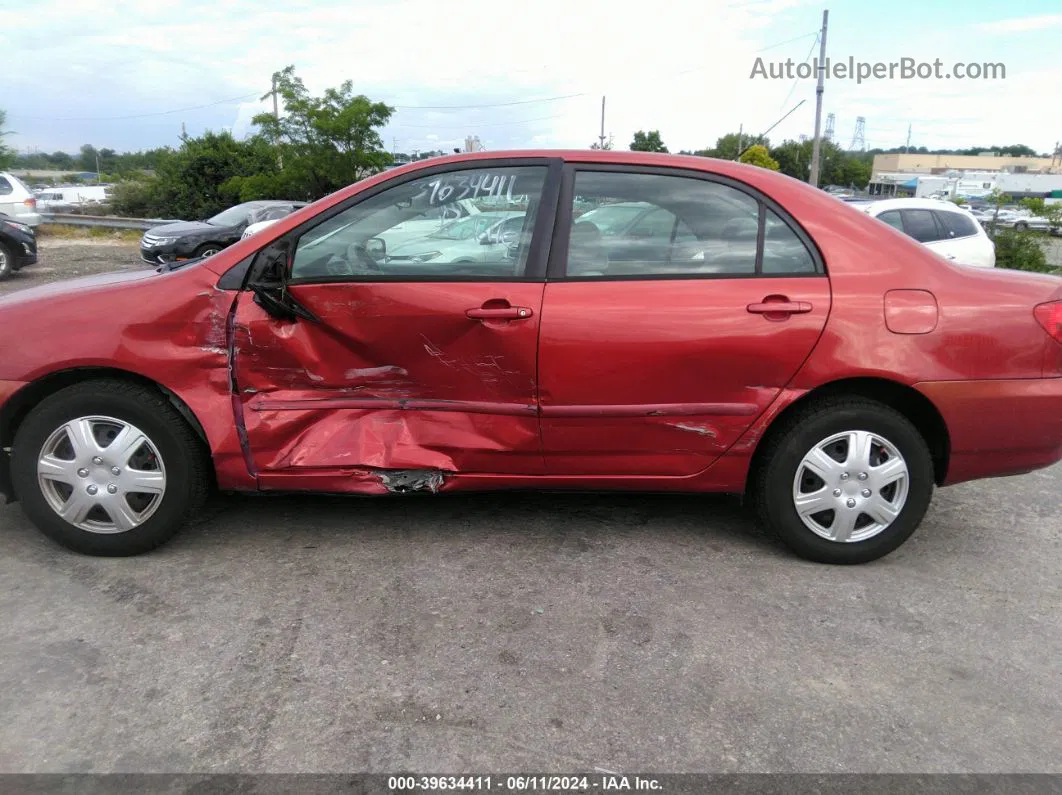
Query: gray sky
x=524, y=75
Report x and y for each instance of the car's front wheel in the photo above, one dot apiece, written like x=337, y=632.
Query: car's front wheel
x=845, y=480
x=108, y=468
x=7, y=262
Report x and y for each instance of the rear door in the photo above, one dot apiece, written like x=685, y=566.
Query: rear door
x=655, y=365
x=923, y=226
x=409, y=370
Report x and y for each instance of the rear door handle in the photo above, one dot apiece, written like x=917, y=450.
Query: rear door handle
x=780, y=308
x=500, y=313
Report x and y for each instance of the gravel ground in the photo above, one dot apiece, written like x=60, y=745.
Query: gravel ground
x=60, y=259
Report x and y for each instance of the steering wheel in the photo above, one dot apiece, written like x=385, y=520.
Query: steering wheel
x=358, y=256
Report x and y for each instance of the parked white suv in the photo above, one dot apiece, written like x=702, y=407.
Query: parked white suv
x=947, y=228
x=16, y=201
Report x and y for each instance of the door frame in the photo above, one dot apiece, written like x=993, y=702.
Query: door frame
x=557, y=265
x=541, y=234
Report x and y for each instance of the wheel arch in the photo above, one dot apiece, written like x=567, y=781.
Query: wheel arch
x=907, y=400
x=14, y=410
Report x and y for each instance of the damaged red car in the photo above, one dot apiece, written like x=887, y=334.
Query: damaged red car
x=552, y=320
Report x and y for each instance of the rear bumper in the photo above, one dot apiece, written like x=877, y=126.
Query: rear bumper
x=999, y=428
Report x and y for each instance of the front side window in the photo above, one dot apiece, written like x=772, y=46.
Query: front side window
x=234, y=216
x=652, y=225
x=435, y=227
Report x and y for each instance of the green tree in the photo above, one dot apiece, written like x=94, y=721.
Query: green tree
x=325, y=142
x=197, y=180
x=7, y=155
x=759, y=156
x=648, y=142
x=1052, y=212
x=1021, y=251
x=87, y=159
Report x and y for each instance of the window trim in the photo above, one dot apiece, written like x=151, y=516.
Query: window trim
x=538, y=250
x=557, y=265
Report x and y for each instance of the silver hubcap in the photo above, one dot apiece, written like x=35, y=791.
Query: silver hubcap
x=210, y=252
x=851, y=486
x=101, y=474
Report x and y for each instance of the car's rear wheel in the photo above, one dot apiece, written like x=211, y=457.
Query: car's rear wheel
x=108, y=468
x=207, y=250
x=7, y=262
x=845, y=480
x=1021, y=226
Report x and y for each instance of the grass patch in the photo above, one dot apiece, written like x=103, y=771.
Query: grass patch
x=68, y=232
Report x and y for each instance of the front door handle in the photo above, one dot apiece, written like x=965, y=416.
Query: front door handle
x=499, y=313
x=779, y=307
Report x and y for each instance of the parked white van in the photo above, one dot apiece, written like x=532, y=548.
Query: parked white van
x=72, y=196
x=16, y=201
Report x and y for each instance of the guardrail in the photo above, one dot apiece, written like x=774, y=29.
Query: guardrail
x=102, y=221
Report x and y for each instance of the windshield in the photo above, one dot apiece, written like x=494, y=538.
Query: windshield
x=232, y=216
x=612, y=220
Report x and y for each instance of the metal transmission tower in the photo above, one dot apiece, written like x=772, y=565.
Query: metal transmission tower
x=859, y=140
x=831, y=121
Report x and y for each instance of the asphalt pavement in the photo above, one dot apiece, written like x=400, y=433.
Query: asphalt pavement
x=548, y=632
x=524, y=632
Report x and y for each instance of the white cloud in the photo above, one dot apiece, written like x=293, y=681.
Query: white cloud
x=683, y=69
x=1022, y=24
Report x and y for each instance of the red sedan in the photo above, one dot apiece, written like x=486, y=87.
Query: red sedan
x=648, y=322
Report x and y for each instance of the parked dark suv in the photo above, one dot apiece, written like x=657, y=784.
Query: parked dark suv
x=18, y=245
x=191, y=239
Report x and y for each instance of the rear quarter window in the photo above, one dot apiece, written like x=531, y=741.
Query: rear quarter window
x=5, y=187
x=957, y=224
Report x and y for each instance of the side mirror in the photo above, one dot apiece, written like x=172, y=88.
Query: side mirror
x=376, y=248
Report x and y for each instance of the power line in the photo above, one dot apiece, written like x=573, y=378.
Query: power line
x=473, y=126
x=494, y=105
x=806, y=57
x=138, y=115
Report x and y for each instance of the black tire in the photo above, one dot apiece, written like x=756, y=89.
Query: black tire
x=208, y=249
x=1021, y=226
x=7, y=262
x=188, y=473
x=772, y=484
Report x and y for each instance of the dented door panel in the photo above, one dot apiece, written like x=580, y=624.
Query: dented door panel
x=394, y=376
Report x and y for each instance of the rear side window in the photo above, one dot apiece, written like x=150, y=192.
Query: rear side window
x=637, y=225
x=921, y=225
x=957, y=224
x=5, y=187
x=892, y=218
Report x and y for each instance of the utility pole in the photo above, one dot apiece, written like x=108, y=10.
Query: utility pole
x=276, y=115
x=907, y=145
x=819, y=88
x=601, y=137
x=741, y=134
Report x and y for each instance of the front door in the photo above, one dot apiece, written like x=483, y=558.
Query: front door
x=407, y=367
x=655, y=363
